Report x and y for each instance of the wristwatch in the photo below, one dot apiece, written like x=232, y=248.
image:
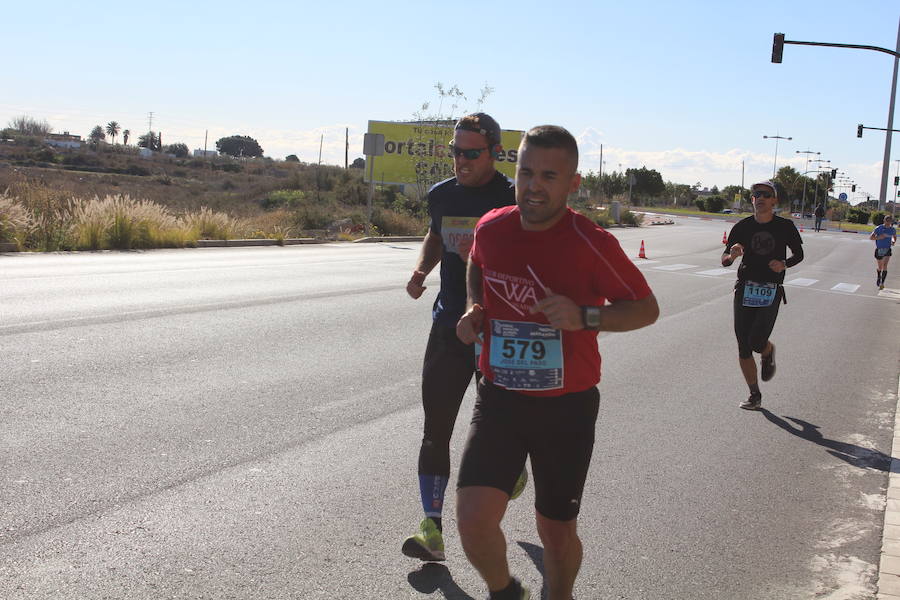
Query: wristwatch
x=591, y=317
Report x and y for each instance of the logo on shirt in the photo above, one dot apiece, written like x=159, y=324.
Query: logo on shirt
x=520, y=293
x=762, y=243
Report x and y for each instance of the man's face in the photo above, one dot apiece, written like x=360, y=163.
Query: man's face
x=544, y=179
x=761, y=203
x=472, y=172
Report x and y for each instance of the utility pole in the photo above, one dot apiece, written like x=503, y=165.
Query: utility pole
x=346, y=147
x=600, y=182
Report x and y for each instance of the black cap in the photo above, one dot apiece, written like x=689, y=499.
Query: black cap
x=482, y=123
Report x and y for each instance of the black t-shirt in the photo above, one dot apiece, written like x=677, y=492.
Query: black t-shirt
x=455, y=209
x=762, y=242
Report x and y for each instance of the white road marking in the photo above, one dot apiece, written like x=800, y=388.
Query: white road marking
x=889, y=293
x=801, y=281
x=714, y=272
x=846, y=287
x=643, y=261
x=676, y=267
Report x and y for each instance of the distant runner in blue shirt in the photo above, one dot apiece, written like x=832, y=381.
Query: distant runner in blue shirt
x=885, y=236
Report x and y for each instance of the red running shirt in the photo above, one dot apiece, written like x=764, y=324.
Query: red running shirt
x=574, y=258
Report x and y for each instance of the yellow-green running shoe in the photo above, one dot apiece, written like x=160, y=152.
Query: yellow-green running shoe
x=521, y=482
x=427, y=544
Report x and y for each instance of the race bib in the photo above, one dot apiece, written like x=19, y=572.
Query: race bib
x=458, y=234
x=526, y=356
x=759, y=294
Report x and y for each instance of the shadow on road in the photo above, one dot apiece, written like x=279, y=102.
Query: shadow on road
x=536, y=554
x=858, y=456
x=431, y=577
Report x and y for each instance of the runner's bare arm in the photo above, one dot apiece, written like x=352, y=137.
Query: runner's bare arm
x=469, y=326
x=626, y=315
x=432, y=249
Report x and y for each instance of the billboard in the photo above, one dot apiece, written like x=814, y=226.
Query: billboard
x=416, y=153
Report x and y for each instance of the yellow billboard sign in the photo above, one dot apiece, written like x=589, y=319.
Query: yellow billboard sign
x=417, y=153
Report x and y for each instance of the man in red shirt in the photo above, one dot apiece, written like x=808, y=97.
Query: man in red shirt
x=542, y=281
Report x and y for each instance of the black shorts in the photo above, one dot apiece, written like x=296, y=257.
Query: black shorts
x=885, y=253
x=556, y=432
x=753, y=325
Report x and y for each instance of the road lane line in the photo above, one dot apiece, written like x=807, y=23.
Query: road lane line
x=714, y=272
x=801, y=281
x=676, y=267
x=846, y=287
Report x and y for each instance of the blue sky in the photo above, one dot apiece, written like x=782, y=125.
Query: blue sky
x=686, y=88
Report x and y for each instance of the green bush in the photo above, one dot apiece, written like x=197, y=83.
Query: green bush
x=631, y=218
x=701, y=203
x=858, y=215
x=878, y=218
x=715, y=204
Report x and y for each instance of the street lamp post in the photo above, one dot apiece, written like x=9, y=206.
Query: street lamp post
x=807, y=153
x=816, y=197
x=776, y=138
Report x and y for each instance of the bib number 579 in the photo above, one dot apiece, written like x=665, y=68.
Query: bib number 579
x=512, y=348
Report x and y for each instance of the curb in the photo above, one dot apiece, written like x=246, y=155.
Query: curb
x=398, y=238
x=261, y=242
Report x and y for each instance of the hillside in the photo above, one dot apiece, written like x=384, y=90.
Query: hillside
x=261, y=197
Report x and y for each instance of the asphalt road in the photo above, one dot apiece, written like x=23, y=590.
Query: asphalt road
x=244, y=423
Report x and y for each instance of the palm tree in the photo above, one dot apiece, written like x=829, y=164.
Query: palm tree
x=125, y=135
x=112, y=130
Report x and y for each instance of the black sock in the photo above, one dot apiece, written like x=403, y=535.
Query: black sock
x=878, y=278
x=883, y=276
x=437, y=521
x=754, y=388
x=510, y=592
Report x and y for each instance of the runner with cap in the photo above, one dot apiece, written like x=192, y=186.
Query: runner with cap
x=885, y=236
x=762, y=240
x=455, y=205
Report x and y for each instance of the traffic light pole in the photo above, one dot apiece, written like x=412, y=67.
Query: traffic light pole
x=778, y=43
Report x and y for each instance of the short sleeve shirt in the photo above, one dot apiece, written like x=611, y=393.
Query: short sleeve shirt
x=763, y=242
x=574, y=258
x=454, y=210
x=884, y=242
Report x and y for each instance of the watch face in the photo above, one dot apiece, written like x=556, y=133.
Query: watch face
x=591, y=316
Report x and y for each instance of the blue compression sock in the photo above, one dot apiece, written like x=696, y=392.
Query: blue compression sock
x=431, y=489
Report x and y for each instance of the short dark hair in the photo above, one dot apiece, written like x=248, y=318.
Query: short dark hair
x=553, y=136
x=482, y=123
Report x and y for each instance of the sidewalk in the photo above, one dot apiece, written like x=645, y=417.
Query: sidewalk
x=889, y=569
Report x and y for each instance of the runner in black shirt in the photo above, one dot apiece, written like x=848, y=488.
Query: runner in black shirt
x=762, y=240
x=455, y=206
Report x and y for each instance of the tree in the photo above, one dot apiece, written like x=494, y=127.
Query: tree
x=358, y=163
x=239, y=145
x=112, y=130
x=179, y=149
x=97, y=135
x=149, y=140
x=291, y=158
x=125, y=135
x=648, y=183
x=29, y=126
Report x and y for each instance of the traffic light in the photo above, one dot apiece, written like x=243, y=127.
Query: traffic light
x=853, y=188
x=859, y=130
x=896, y=180
x=833, y=173
x=777, y=47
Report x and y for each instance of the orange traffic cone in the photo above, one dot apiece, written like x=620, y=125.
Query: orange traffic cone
x=641, y=254
x=801, y=227
x=724, y=237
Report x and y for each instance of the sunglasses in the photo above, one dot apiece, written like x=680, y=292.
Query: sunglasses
x=469, y=153
x=761, y=194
